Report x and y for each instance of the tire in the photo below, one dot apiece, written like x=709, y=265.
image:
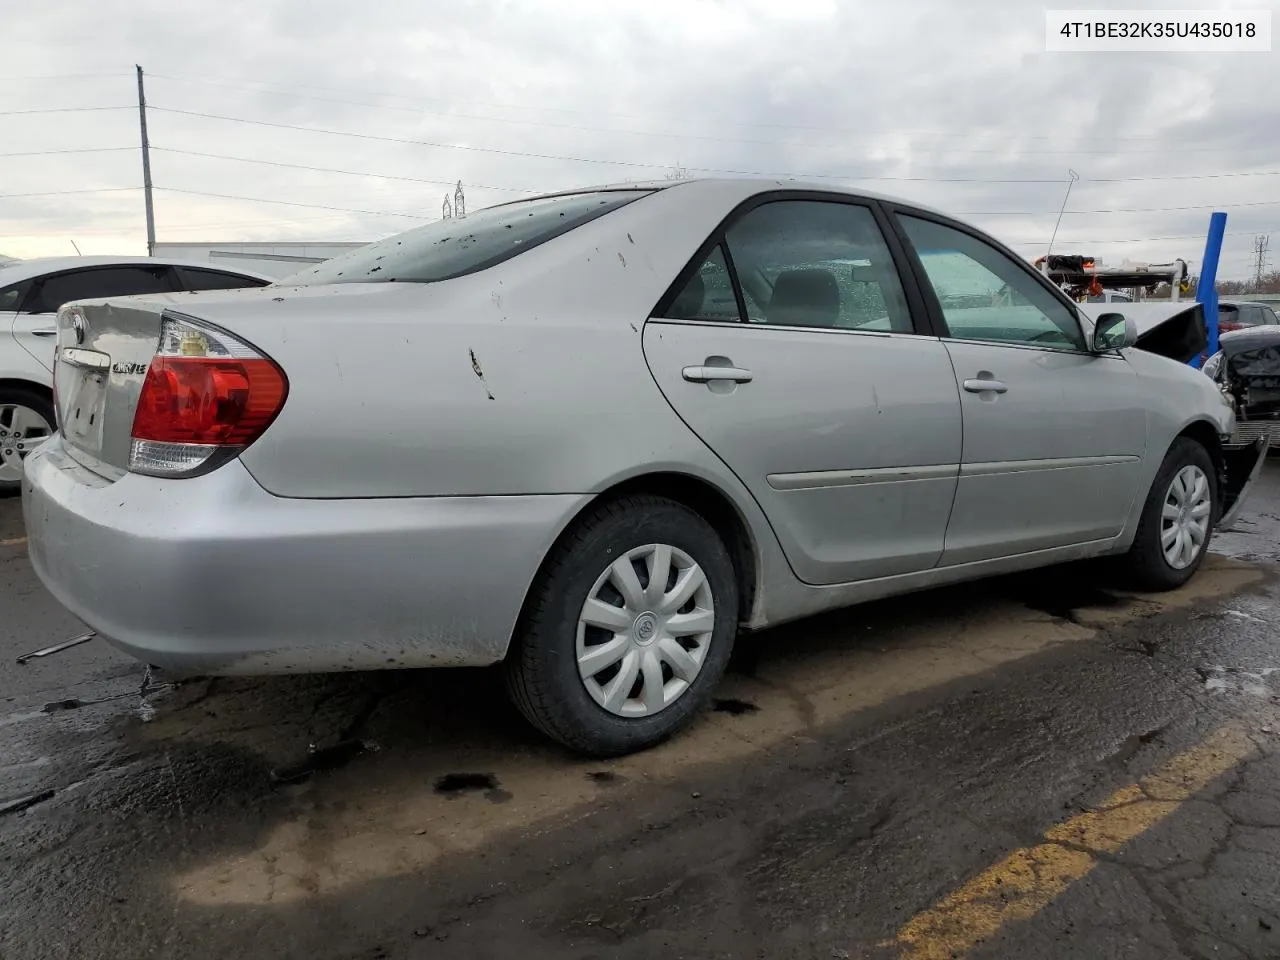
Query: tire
x=542, y=668
x=1146, y=564
x=22, y=402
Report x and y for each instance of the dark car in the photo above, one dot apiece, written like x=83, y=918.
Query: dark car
x=1242, y=315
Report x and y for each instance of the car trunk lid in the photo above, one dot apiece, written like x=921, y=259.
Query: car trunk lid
x=103, y=351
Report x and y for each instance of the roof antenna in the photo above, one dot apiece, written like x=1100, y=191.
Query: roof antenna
x=1070, y=183
x=78, y=253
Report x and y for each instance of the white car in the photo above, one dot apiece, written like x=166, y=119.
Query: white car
x=31, y=291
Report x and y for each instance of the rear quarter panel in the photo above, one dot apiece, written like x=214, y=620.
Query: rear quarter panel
x=526, y=378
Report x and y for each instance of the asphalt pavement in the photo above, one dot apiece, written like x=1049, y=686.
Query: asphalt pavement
x=1035, y=766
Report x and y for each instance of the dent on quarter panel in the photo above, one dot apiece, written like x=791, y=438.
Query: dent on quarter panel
x=404, y=409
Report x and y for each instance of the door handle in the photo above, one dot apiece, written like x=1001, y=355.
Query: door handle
x=986, y=386
x=704, y=374
x=51, y=332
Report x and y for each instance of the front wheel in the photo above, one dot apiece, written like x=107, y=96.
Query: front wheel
x=1177, y=519
x=628, y=629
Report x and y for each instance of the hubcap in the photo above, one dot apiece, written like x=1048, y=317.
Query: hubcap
x=21, y=431
x=644, y=630
x=1184, y=519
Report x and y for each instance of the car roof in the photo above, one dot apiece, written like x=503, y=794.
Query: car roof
x=748, y=186
x=18, y=270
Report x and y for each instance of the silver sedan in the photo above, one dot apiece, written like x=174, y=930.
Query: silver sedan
x=592, y=435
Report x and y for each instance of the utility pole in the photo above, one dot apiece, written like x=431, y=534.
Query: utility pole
x=1260, y=244
x=146, y=166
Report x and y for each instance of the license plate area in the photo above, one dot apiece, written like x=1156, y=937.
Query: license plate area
x=82, y=410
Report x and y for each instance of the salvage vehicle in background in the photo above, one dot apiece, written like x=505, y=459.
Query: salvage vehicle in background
x=1247, y=369
x=591, y=435
x=1242, y=314
x=31, y=291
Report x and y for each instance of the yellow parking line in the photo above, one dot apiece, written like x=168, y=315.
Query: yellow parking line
x=1025, y=881
x=16, y=541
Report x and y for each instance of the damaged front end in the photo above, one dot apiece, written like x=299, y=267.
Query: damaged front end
x=1247, y=370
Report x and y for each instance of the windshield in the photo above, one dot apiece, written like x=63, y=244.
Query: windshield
x=458, y=246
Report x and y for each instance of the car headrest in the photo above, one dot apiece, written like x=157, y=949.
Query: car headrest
x=805, y=298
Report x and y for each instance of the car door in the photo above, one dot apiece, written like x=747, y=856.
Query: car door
x=1053, y=433
x=790, y=346
x=34, y=325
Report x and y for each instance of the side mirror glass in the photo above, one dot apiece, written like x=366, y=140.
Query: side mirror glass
x=1114, y=331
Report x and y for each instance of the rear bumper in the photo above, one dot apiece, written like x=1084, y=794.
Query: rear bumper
x=213, y=575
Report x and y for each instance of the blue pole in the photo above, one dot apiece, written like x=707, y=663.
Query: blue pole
x=1207, y=286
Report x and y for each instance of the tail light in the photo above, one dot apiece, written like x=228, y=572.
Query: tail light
x=207, y=395
x=1226, y=326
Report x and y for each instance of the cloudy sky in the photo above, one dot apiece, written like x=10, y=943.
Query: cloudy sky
x=387, y=101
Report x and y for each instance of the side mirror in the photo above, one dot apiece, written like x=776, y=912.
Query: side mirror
x=1114, y=331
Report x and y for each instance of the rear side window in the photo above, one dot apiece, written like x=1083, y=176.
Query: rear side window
x=708, y=295
x=1269, y=316
x=11, y=296
x=453, y=248
x=194, y=278
x=52, y=292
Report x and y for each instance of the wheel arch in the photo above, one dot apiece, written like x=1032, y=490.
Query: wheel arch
x=19, y=383
x=1205, y=433
x=699, y=495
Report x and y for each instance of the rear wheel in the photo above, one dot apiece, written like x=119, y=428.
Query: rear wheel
x=1177, y=519
x=628, y=629
x=26, y=421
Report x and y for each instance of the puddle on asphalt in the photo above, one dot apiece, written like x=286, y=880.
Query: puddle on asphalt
x=453, y=784
x=1253, y=683
x=325, y=758
x=385, y=819
x=734, y=707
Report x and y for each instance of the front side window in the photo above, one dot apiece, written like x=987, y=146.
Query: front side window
x=52, y=292
x=814, y=263
x=986, y=295
x=458, y=246
x=1269, y=315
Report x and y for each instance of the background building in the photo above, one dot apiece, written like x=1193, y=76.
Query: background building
x=276, y=260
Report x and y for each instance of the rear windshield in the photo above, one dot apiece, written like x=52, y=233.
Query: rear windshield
x=452, y=248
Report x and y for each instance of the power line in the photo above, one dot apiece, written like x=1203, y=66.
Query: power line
x=19, y=113
x=550, y=156
x=50, y=153
x=354, y=173
x=62, y=76
x=1047, y=213
x=454, y=146
x=294, y=203
x=288, y=88
x=1185, y=236
x=1185, y=176
x=63, y=193
x=453, y=115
